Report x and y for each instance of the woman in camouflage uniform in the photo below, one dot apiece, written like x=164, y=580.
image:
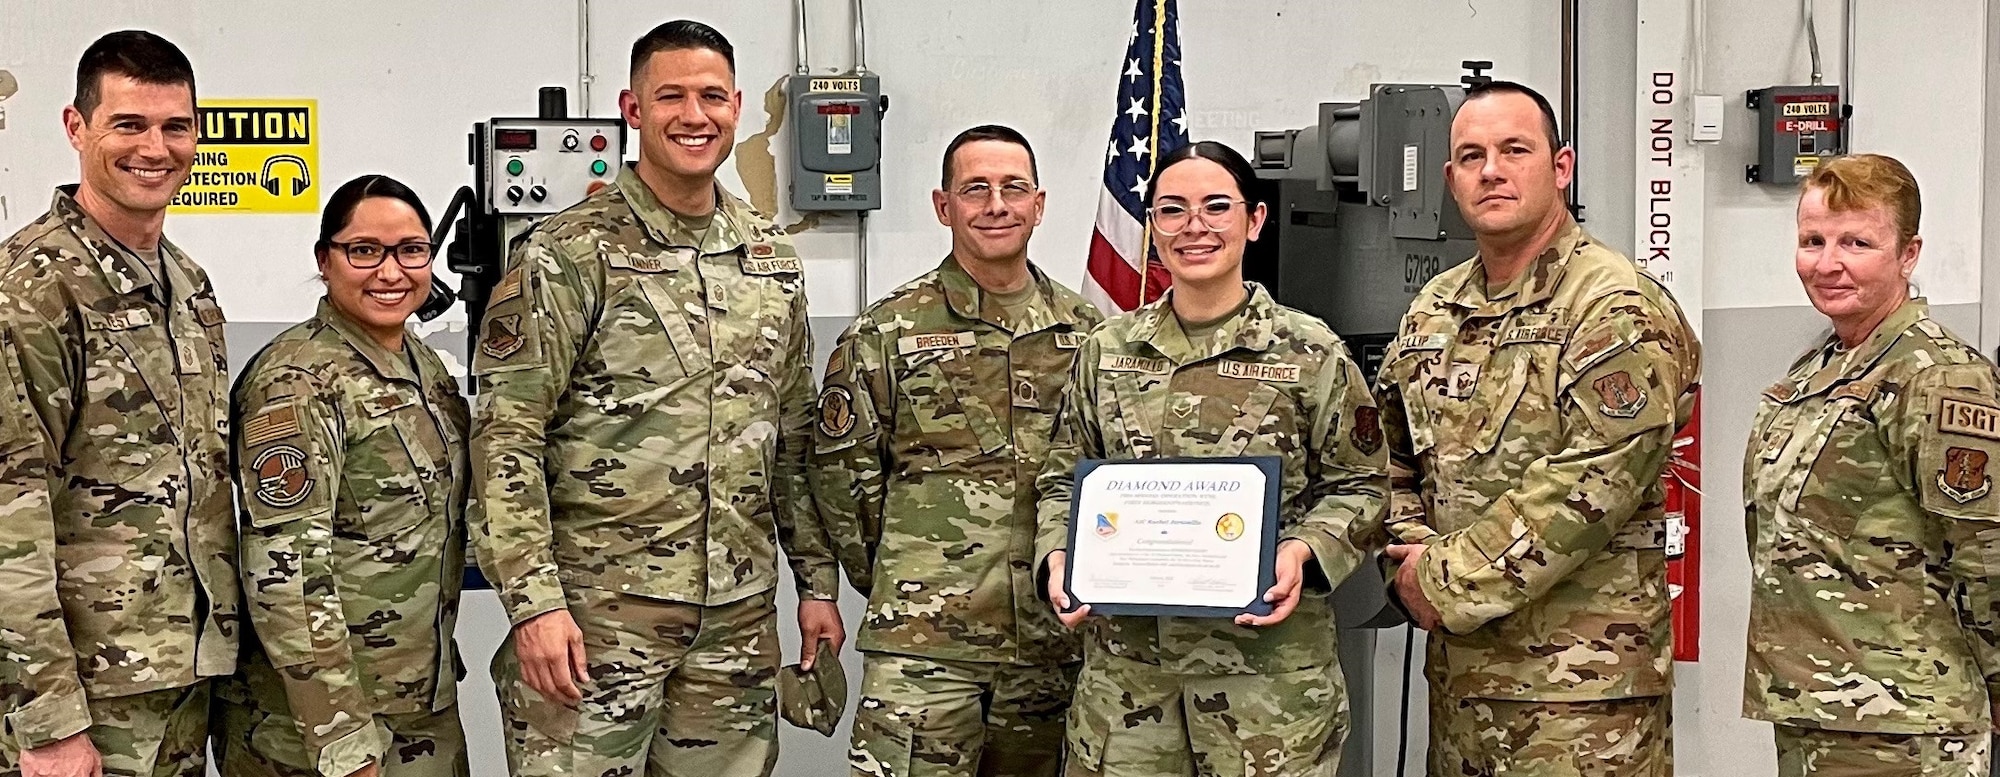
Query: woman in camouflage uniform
x=1216, y=368
x=1874, y=530
x=351, y=468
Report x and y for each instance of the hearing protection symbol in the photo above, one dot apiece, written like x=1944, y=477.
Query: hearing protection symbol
x=300, y=182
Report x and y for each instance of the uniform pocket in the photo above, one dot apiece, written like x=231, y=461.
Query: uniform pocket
x=1087, y=734
x=274, y=581
x=639, y=317
x=1806, y=491
x=881, y=747
x=957, y=428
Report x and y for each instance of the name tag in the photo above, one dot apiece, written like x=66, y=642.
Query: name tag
x=1961, y=417
x=131, y=318
x=1861, y=389
x=1535, y=334
x=1112, y=362
x=1069, y=341
x=935, y=342
x=1276, y=373
x=650, y=262
x=790, y=264
x=1434, y=342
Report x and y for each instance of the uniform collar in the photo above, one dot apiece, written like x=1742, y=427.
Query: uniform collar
x=1254, y=329
x=966, y=299
x=1856, y=361
x=725, y=234
x=122, y=270
x=388, y=365
x=1536, y=283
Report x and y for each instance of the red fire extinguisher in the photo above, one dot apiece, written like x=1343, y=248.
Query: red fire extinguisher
x=1682, y=481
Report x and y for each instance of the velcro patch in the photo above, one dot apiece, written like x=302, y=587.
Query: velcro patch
x=935, y=342
x=647, y=263
x=283, y=479
x=1069, y=341
x=1275, y=373
x=1964, y=477
x=1113, y=362
x=1620, y=397
x=130, y=318
x=1367, y=434
x=1958, y=416
x=1548, y=333
x=1598, y=345
x=274, y=423
x=1863, y=390
x=836, y=411
x=206, y=312
x=509, y=288
x=780, y=266
x=1430, y=342
x=503, y=337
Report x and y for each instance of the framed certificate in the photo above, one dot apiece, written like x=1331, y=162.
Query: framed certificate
x=1178, y=537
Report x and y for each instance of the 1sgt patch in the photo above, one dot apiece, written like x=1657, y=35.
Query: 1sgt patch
x=282, y=478
x=503, y=337
x=1618, y=396
x=1964, y=477
x=1367, y=434
x=836, y=411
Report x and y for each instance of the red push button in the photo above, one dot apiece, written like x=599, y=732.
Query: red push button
x=597, y=143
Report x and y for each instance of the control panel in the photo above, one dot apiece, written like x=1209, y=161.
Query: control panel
x=538, y=167
x=1797, y=128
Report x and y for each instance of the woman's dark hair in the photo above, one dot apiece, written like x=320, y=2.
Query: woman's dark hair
x=1238, y=167
x=340, y=207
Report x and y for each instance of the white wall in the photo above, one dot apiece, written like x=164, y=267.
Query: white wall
x=400, y=83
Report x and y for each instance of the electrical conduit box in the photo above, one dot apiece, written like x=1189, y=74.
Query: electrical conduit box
x=1797, y=128
x=837, y=142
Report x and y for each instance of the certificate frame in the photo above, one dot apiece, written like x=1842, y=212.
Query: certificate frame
x=1273, y=470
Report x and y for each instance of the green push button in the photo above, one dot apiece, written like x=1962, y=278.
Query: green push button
x=598, y=167
x=514, y=167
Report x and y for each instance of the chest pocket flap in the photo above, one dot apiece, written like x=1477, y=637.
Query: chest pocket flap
x=957, y=424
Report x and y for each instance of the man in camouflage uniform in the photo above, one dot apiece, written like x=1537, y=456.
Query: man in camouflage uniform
x=352, y=466
x=1874, y=529
x=643, y=419
x=1530, y=403
x=933, y=423
x=118, y=587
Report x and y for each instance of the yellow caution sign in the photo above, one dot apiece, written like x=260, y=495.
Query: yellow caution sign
x=254, y=156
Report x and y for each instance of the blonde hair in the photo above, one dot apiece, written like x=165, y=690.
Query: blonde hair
x=1862, y=181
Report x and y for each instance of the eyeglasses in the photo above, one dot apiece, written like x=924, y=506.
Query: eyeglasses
x=979, y=192
x=410, y=254
x=1216, y=214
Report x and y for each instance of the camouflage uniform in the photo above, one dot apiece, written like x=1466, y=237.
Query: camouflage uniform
x=117, y=553
x=351, y=464
x=1203, y=696
x=1529, y=427
x=644, y=416
x=1874, y=543
x=933, y=424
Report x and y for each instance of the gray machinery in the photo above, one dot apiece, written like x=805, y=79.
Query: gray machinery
x=1360, y=221
x=524, y=170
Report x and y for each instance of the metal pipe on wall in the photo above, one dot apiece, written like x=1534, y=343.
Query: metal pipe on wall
x=861, y=296
x=1847, y=74
x=1572, y=65
x=860, y=39
x=800, y=22
x=583, y=74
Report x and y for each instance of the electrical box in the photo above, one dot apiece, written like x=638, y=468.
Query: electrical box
x=837, y=142
x=1797, y=128
x=538, y=167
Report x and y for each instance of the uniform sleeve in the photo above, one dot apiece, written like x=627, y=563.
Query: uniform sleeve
x=1077, y=437
x=1622, y=373
x=1347, y=474
x=1407, y=519
x=41, y=691
x=535, y=328
x=289, y=456
x=851, y=451
x=1944, y=429
x=800, y=530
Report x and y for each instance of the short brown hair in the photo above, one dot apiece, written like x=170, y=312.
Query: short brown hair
x=1863, y=181
x=136, y=54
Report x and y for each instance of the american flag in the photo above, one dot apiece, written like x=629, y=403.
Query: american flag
x=1151, y=122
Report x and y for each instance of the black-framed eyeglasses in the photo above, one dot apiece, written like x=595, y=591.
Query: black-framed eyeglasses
x=1012, y=192
x=367, y=255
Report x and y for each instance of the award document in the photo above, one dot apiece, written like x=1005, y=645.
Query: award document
x=1180, y=537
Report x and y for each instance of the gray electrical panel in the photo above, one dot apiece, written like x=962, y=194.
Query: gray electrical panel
x=1797, y=128
x=837, y=142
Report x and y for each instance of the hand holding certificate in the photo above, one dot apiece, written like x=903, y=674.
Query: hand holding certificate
x=1178, y=537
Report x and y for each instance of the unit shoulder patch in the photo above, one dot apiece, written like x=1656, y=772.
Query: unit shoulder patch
x=836, y=411
x=284, y=477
